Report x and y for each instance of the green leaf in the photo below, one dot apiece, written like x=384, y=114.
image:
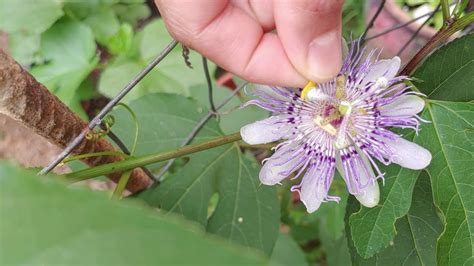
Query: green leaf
x=171, y=75
x=104, y=24
x=69, y=48
x=132, y=13
x=121, y=42
x=24, y=47
x=287, y=252
x=246, y=212
x=331, y=215
x=336, y=250
x=450, y=138
x=417, y=232
x=448, y=73
x=372, y=229
x=61, y=226
x=31, y=16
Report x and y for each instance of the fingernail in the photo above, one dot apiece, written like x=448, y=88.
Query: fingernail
x=324, y=56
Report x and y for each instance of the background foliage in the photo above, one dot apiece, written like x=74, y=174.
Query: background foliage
x=210, y=206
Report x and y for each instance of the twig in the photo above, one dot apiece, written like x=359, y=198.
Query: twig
x=372, y=21
x=98, y=119
x=149, y=159
x=209, y=84
x=196, y=129
x=417, y=31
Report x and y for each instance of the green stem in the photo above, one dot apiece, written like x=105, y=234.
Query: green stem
x=440, y=37
x=446, y=13
x=95, y=154
x=135, y=162
x=122, y=184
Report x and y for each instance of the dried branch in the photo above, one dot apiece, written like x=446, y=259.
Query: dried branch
x=26, y=100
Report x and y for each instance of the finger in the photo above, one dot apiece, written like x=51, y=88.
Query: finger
x=310, y=31
x=232, y=38
x=261, y=10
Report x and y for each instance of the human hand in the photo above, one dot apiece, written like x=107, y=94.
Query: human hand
x=237, y=35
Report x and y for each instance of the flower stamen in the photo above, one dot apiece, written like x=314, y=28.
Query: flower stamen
x=307, y=88
x=325, y=125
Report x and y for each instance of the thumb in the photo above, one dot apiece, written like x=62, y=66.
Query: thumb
x=310, y=31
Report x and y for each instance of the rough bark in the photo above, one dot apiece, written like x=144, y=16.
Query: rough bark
x=32, y=104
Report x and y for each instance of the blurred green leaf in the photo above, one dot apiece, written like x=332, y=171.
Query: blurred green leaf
x=61, y=226
x=69, y=49
x=448, y=73
x=450, y=138
x=132, y=13
x=29, y=16
x=24, y=47
x=417, y=232
x=336, y=250
x=103, y=23
x=331, y=214
x=287, y=252
x=171, y=75
x=121, y=42
x=246, y=212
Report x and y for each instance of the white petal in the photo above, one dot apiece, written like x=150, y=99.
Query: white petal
x=409, y=154
x=368, y=196
x=406, y=105
x=264, y=131
x=313, y=190
x=269, y=91
x=272, y=172
x=387, y=68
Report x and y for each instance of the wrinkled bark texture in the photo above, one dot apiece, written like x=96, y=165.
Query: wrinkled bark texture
x=24, y=99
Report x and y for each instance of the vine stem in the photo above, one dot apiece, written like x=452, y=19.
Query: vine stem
x=440, y=37
x=134, y=162
x=122, y=183
x=446, y=13
x=94, y=154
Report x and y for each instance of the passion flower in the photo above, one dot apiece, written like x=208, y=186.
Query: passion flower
x=342, y=125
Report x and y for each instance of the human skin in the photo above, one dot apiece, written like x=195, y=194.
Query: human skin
x=240, y=36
